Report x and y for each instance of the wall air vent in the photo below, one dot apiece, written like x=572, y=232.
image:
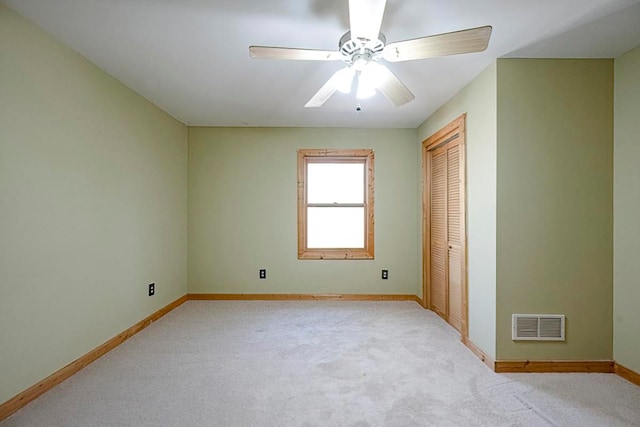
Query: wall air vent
x=537, y=327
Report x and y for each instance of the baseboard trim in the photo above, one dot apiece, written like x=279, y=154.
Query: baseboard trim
x=628, y=374
x=22, y=399
x=479, y=353
x=559, y=366
x=297, y=297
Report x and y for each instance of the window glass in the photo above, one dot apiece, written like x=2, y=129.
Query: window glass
x=335, y=182
x=338, y=227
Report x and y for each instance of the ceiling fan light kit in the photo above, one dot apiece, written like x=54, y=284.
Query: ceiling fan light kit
x=364, y=46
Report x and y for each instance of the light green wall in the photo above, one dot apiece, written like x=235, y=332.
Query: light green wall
x=243, y=212
x=555, y=204
x=93, y=206
x=478, y=100
x=626, y=196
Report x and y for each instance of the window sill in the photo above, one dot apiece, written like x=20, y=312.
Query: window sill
x=335, y=254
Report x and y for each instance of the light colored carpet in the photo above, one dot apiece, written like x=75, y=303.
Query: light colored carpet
x=317, y=363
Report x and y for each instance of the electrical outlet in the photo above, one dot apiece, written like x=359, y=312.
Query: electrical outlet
x=152, y=289
x=263, y=273
x=385, y=274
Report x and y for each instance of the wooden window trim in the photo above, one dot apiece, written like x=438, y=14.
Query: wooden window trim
x=336, y=155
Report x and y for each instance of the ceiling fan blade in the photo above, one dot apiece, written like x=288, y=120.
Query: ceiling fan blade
x=325, y=92
x=270, y=52
x=393, y=88
x=365, y=18
x=465, y=41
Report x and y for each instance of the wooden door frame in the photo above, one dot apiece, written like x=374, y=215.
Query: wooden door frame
x=452, y=130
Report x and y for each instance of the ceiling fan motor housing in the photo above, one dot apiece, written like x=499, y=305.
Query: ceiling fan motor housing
x=361, y=50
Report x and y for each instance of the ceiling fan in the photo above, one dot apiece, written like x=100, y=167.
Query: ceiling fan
x=364, y=46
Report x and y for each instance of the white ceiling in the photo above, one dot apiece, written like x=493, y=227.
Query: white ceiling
x=190, y=57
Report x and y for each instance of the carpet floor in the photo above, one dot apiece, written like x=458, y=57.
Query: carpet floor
x=317, y=363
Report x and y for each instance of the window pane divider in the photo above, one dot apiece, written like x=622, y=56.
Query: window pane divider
x=336, y=205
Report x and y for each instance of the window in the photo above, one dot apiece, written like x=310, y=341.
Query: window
x=335, y=204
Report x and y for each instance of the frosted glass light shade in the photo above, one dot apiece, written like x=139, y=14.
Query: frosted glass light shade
x=343, y=79
x=364, y=91
x=374, y=74
x=369, y=79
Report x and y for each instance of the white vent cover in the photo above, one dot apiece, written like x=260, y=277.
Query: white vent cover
x=538, y=327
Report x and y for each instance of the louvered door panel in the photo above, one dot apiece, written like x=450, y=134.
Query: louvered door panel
x=455, y=288
x=454, y=231
x=438, y=220
x=453, y=195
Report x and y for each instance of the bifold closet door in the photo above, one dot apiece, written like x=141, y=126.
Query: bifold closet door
x=446, y=240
